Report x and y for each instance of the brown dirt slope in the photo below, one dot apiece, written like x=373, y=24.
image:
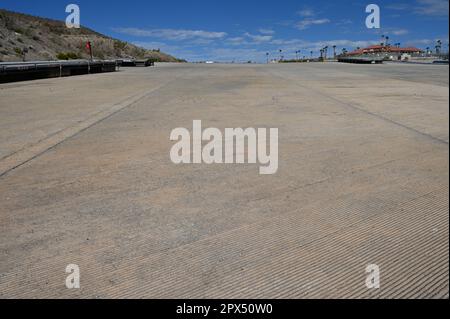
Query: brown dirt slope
x=48, y=39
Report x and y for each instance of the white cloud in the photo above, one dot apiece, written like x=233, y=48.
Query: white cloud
x=266, y=31
x=392, y=31
x=344, y=22
x=398, y=6
x=425, y=42
x=432, y=7
x=423, y=7
x=171, y=34
x=305, y=24
x=306, y=13
x=400, y=32
x=259, y=38
x=236, y=41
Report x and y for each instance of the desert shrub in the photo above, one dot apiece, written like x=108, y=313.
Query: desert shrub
x=67, y=56
x=119, y=45
x=18, y=30
x=18, y=51
x=28, y=32
x=98, y=54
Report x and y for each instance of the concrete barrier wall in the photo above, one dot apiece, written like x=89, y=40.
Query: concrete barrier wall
x=14, y=72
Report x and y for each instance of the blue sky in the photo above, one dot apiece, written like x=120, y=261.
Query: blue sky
x=244, y=30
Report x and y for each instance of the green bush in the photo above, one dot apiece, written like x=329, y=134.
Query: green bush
x=67, y=56
x=119, y=45
x=18, y=30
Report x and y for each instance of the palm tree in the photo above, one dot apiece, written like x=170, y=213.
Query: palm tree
x=312, y=52
x=325, y=51
x=387, y=41
x=267, y=55
x=334, y=51
x=281, y=56
x=438, y=47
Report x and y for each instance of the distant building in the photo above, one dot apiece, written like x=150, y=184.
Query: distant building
x=385, y=50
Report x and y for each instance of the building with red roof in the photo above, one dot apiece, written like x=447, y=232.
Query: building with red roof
x=385, y=49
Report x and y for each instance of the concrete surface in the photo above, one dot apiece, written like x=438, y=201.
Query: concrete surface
x=86, y=179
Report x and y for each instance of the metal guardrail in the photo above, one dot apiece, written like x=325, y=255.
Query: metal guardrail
x=23, y=71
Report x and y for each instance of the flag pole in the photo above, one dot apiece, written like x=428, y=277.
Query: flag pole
x=89, y=47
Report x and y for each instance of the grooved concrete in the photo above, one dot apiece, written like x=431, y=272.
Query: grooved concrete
x=363, y=179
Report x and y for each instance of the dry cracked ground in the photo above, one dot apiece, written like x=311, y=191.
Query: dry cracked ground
x=86, y=179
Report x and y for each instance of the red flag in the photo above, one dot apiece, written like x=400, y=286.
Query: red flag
x=89, y=48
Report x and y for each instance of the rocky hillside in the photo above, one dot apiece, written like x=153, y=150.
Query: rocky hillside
x=45, y=39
